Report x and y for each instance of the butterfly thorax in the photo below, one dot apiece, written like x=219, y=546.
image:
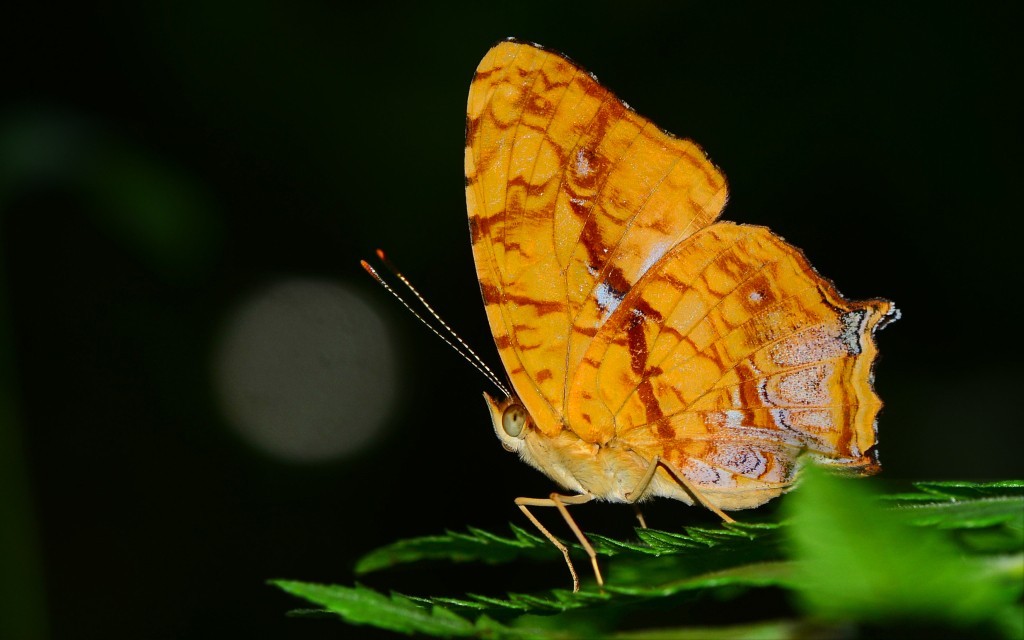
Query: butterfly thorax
x=608, y=471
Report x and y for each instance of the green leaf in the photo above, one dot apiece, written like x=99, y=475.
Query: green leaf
x=359, y=605
x=862, y=562
x=963, y=489
x=477, y=545
x=989, y=520
x=967, y=514
x=948, y=554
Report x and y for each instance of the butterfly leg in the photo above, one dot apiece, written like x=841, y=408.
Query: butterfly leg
x=645, y=481
x=559, y=502
x=641, y=486
x=639, y=516
x=701, y=498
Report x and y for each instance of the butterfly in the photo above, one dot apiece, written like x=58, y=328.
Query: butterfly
x=652, y=350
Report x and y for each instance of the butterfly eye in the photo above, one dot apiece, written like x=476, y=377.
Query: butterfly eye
x=513, y=420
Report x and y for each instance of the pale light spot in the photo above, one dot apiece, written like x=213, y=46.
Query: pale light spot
x=755, y=296
x=305, y=371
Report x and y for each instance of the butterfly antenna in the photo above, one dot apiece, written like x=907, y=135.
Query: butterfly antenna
x=452, y=339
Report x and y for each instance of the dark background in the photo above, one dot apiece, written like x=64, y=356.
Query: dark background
x=162, y=164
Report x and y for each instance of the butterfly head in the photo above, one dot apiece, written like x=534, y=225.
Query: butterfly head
x=511, y=421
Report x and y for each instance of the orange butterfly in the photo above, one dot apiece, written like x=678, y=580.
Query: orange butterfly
x=652, y=351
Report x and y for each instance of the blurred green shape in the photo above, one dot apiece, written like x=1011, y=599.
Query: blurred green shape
x=156, y=211
x=771, y=630
x=140, y=201
x=22, y=599
x=861, y=562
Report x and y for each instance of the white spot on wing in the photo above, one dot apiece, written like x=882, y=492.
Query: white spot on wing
x=582, y=163
x=733, y=418
x=607, y=298
x=853, y=327
x=656, y=252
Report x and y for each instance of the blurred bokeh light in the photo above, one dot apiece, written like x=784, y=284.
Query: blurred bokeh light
x=305, y=371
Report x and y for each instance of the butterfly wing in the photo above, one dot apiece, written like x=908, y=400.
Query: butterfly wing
x=729, y=358
x=572, y=197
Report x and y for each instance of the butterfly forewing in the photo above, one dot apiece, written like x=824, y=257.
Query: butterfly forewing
x=572, y=197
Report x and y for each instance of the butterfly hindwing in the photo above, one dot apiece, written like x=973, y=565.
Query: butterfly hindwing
x=727, y=360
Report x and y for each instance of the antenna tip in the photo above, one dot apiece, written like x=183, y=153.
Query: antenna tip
x=370, y=270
